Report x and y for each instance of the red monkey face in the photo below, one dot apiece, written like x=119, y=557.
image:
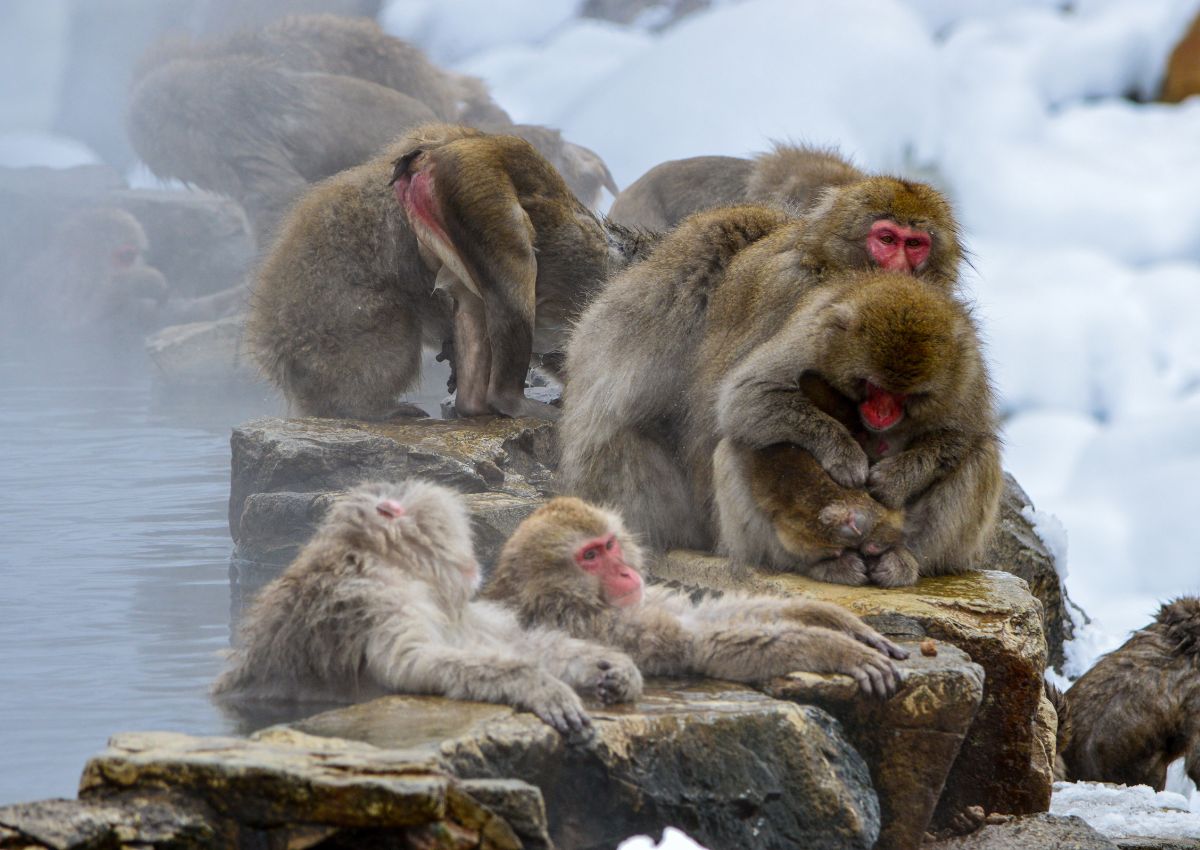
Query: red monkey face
x=897, y=248
x=882, y=410
x=602, y=557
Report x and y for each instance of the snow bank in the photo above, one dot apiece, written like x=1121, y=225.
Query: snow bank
x=1118, y=811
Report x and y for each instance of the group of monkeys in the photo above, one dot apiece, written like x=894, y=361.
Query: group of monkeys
x=767, y=357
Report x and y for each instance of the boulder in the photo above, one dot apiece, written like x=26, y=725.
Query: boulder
x=1183, y=68
x=1003, y=765
x=292, y=790
x=210, y=354
x=1033, y=832
x=909, y=741
x=730, y=766
x=1016, y=548
x=285, y=470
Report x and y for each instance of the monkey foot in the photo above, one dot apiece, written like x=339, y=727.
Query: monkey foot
x=406, y=410
x=847, y=568
x=895, y=568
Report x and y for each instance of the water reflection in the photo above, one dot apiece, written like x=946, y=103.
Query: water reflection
x=114, y=555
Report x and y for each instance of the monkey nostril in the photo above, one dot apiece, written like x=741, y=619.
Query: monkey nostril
x=603, y=665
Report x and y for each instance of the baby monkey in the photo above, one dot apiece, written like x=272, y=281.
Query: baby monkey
x=572, y=566
x=379, y=602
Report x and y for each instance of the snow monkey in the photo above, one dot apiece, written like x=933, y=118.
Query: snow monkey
x=573, y=566
x=789, y=176
x=923, y=436
x=1138, y=709
x=379, y=601
x=640, y=409
x=450, y=233
x=359, y=48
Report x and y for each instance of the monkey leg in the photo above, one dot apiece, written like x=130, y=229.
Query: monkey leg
x=472, y=354
x=1191, y=759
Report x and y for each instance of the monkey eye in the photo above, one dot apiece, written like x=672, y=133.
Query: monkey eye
x=887, y=238
x=610, y=543
x=913, y=242
x=589, y=555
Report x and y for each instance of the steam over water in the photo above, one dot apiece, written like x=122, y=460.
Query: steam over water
x=114, y=588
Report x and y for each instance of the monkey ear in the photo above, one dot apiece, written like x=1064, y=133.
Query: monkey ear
x=842, y=317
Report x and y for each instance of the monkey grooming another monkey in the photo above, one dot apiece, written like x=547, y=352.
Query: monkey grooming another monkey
x=640, y=410
x=573, y=566
x=379, y=602
x=924, y=437
x=790, y=176
x=369, y=263
x=1138, y=708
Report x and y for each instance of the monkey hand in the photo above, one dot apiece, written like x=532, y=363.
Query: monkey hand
x=847, y=568
x=874, y=672
x=617, y=679
x=557, y=705
x=816, y=613
x=886, y=482
x=894, y=568
x=846, y=463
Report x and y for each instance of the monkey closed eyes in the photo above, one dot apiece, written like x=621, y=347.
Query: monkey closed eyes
x=572, y=566
x=379, y=601
x=1138, y=708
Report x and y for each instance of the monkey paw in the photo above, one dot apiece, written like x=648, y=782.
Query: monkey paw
x=559, y=707
x=894, y=568
x=847, y=568
x=885, y=484
x=875, y=673
x=617, y=680
x=847, y=465
x=866, y=634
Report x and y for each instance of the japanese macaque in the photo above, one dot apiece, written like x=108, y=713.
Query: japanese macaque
x=1138, y=708
x=789, y=176
x=358, y=48
x=573, y=566
x=261, y=134
x=379, y=602
x=449, y=234
x=641, y=422
x=91, y=278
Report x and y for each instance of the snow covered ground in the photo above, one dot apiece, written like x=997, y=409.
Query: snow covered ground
x=1081, y=209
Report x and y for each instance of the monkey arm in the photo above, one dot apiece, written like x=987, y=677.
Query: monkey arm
x=897, y=479
x=761, y=403
x=409, y=659
x=592, y=669
x=752, y=653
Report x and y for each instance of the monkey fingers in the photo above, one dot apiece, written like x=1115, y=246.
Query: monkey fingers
x=846, y=463
x=876, y=675
x=847, y=568
x=886, y=484
x=559, y=707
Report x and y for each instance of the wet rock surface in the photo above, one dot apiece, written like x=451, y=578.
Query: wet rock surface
x=909, y=741
x=730, y=766
x=1003, y=765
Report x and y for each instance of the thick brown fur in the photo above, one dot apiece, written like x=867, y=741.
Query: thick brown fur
x=350, y=292
x=737, y=637
x=641, y=409
x=1138, y=708
x=789, y=176
x=379, y=601
x=245, y=127
x=359, y=48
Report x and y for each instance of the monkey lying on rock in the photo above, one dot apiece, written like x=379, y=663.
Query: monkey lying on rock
x=1138, y=708
x=573, y=566
x=379, y=602
x=450, y=233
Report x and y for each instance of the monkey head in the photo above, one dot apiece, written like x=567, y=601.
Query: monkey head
x=573, y=551
x=425, y=522
x=898, y=348
x=884, y=223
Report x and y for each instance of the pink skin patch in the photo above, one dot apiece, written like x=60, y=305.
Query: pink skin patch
x=390, y=508
x=897, y=248
x=603, y=558
x=882, y=410
x=415, y=194
x=125, y=256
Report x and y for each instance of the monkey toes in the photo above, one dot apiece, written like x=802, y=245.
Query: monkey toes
x=895, y=568
x=847, y=568
x=559, y=707
x=618, y=680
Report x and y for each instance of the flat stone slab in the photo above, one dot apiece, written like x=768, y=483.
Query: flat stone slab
x=1004, y=765
x=1032, y=832
x=909, y=741
x=730, y=766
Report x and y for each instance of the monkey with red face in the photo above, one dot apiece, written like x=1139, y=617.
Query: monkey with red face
x=573, y=566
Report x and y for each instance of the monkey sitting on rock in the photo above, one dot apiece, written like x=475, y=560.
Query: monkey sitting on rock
x=451, y=233
x=1138, y=708
x=379, y=602
x=573, y=566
